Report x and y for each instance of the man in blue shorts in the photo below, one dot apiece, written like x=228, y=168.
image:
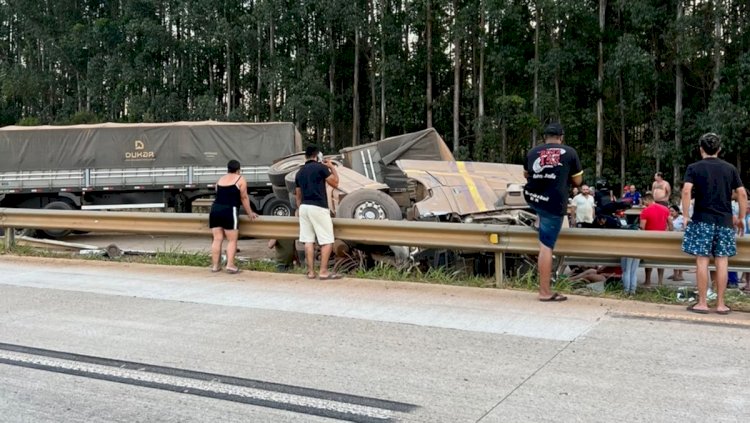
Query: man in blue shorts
x=710, y=231
x=550, y=169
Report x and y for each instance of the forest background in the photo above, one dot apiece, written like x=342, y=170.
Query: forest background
x=635, y=82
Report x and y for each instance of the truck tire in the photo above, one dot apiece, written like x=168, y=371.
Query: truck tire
x=278, y=171
x=369, y=204
x=277, y=207
x=56, y=233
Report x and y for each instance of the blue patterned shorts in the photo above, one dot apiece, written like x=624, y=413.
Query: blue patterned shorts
x=707, y=240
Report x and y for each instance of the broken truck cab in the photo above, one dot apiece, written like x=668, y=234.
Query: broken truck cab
x=467, y=191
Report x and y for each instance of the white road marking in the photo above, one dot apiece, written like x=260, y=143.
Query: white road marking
x=188, y=384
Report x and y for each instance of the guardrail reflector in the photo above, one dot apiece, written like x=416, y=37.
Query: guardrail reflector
x=494, y=239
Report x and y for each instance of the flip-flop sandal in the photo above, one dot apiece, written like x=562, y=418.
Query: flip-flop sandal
x=556, y=297
x=215, y=270
x=233, y=271
x=313, y=276
x=723, y=312
x=330, y=276
x=692, y=308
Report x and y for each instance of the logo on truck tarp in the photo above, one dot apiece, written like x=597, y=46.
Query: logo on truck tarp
x=139, y=153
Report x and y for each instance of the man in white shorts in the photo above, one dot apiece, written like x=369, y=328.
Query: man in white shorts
x=312, y=207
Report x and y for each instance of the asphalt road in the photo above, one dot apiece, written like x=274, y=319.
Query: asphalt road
x=104, y=342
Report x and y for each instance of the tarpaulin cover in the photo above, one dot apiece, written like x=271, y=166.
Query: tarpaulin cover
x=112, y=145
x=422, y=145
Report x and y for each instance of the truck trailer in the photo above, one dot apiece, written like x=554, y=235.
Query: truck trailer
x=114, y=166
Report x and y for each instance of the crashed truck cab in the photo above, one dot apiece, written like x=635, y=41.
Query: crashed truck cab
x=467, y=192
x=415, y=176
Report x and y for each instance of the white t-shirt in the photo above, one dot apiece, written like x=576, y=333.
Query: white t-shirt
x=679, y=223
x=584, y=208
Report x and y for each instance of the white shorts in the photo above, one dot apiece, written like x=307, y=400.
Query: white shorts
x=315, y=222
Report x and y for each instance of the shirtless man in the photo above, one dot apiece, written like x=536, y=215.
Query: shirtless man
x=661, y=190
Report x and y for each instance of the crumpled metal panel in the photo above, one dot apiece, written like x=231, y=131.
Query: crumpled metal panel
x=465, y=188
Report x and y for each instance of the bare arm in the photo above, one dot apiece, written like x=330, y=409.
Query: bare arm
x=245, y=199
x=742, y=200
x=668, y=190
x=333, y=178
x=298, y=196
x=687, y=192
x=642, y=223
x=577, y=179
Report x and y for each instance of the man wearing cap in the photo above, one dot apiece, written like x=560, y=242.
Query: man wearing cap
x=550, y=170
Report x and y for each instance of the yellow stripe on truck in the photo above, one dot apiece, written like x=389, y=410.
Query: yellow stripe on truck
x=478, y=201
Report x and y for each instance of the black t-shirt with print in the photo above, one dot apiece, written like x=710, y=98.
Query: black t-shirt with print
x=713, y=181
x=311, y=179
x=549, y=168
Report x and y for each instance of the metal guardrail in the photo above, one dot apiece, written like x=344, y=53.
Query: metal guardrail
x=663, y=247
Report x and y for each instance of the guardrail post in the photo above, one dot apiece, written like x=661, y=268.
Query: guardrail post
x=10, y=238
x=499, y=269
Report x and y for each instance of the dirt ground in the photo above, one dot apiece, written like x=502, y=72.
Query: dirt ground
x=250, y=248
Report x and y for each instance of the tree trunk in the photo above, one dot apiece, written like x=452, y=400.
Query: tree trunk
x=272, y=82
x=355, y=88
x=480, y=79
x=718, y=16
x=679, y=82
x=503, y=132
x=230, y=88
x=600, y=100
x=623, y=144
x=373, y=124
x=332, y=92
x=657, y=148
x=428, y=36
x=456, y=78
x=259, y=88
x=536, y=74
x=382, y=71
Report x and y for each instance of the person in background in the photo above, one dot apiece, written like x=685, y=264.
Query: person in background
x=661, y=190
x=550, y=169
x=710, y=231
x=584, y=207
x=312, y=207
x=231, y=193
x=632, y=196
x=678, y=225
x=655, y=217
x=571, y=209
x=603, y=194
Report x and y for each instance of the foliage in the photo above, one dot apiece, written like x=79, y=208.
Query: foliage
x=90, y=61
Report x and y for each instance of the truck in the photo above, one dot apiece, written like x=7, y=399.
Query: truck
x=118, y=166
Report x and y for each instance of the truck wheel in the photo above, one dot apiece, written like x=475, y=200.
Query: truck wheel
x=279, y=170
x=369, y=204
x=277, y=207
x=56, y=233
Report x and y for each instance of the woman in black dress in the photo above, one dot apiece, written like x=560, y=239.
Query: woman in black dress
x=231, y=193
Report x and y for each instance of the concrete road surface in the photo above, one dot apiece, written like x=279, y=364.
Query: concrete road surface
x=103, y=342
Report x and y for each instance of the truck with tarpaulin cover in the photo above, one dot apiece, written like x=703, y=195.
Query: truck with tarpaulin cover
x=115, y=166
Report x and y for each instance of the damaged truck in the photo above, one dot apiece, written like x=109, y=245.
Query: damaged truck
x=416, y=177
x=115, y=166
